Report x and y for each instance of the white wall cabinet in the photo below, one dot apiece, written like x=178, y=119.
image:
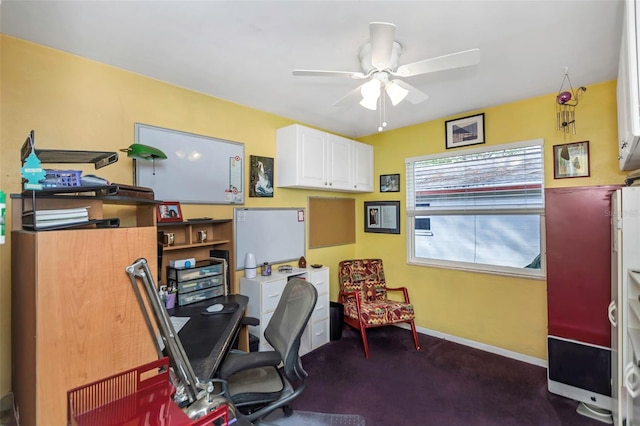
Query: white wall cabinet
x=628, y=90
x=265, y=292
x=307, y=158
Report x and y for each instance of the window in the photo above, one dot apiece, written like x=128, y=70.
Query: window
x=479, y=209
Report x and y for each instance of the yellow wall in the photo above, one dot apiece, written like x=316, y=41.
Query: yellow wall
x=506, y=312
x=74, y=103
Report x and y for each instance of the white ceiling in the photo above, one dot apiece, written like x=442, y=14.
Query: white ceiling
x=244, y=51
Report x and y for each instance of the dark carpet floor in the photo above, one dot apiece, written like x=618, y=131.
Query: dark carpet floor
x=443, y=384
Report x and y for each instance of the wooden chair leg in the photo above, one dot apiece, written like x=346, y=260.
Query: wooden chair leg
x=363, y=333
x=415, y=335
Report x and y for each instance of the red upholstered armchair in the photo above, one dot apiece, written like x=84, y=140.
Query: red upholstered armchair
x=363, y=292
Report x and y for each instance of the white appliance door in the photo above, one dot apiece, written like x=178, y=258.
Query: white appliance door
x=614, y=308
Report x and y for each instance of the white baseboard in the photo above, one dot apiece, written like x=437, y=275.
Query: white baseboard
x=477, y=345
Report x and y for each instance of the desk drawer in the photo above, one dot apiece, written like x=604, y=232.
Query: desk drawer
x=201, y=270
x=319, y=333
x=197, y=296
x=271, y=293
x=322, y=286
x=194, y=285
x=321, y=310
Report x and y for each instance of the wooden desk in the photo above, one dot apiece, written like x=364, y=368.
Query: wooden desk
x=207, y=338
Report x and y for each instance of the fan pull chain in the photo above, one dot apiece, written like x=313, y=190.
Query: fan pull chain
x=383, y=104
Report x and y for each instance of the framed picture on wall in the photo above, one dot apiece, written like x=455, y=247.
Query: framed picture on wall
x=464, y=131
x=382, y=217
x=390, y=183
x=261, y=179
x=571, y=160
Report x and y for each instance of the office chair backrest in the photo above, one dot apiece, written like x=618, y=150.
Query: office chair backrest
x=288, y=322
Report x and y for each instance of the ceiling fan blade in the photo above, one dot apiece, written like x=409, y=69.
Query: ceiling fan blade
x=352, y=97
x=454, y=60
x=381, y=38
x=320, y=73
x=415, y=95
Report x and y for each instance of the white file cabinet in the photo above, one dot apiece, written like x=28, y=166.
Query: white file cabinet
x=265, y=292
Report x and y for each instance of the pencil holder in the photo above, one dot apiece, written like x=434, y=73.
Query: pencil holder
x=170, y=301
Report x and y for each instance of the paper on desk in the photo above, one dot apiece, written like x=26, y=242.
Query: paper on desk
x=178, y=323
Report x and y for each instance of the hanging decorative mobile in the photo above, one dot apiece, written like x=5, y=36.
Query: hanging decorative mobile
x=566, y=102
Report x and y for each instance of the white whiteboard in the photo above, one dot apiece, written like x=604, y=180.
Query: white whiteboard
x=272, y=235
x=198, y=169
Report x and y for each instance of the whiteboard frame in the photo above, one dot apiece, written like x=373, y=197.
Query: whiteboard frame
x=146, y=174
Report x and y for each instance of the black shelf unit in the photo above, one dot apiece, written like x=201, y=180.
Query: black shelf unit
x=107, y=193
x=99, y=159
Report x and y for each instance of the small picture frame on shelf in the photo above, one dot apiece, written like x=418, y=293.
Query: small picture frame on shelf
x=169, y=211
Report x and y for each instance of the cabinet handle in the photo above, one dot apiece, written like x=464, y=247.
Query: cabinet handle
x=631, y=380
x=319, y=308
x=611, y=313
x=274, y=295
x=320, y=333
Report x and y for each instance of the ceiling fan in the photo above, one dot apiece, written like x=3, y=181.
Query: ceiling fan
x=379, y=63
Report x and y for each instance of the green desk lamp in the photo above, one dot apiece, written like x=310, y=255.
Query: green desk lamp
x=138, y=151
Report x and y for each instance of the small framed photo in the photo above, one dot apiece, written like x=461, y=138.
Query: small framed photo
x=464, y=131
x=571, y=160
x=169, y=211
x=382, y=217
x=390, y=183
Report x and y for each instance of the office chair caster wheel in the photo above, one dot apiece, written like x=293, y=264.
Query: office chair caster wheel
x=288, y=411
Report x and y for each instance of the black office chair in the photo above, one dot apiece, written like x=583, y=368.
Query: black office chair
x=256, y=382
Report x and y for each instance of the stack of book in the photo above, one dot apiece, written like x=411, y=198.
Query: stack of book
x=42, y=219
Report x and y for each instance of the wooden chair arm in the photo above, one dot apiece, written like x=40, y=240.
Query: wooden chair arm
x=343, y=295
x=403, y=290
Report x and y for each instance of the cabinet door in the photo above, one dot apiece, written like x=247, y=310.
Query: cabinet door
x=312, y=158
x=339, y=161
x=363, y=167
x=78, y=318
x=628, y=91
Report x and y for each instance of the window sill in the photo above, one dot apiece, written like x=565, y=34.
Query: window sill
x=534, y=274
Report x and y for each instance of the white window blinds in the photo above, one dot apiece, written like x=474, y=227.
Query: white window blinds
x=509, y=177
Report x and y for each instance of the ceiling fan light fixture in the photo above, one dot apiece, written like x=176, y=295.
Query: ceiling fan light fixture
x=370, y=93
x=370, y=103
x=371, y=89
x=395, y=92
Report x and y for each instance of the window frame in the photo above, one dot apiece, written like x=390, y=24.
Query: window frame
x=538, y=274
